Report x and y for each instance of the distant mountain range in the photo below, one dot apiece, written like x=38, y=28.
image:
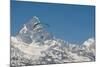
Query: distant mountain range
x=33, y=45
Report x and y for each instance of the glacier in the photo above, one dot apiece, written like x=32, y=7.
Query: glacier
x=33, y=45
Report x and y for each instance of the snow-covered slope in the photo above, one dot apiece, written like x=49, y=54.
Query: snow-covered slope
x=33, y=45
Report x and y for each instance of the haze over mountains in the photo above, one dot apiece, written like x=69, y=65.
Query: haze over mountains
x=33, y=45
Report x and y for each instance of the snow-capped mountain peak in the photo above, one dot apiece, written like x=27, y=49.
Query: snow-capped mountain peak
x=32, y=25
x=33, y=31
x=89, y=42
x=89, y=45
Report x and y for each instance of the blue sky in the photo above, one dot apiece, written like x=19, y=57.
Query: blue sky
x=73, y=23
